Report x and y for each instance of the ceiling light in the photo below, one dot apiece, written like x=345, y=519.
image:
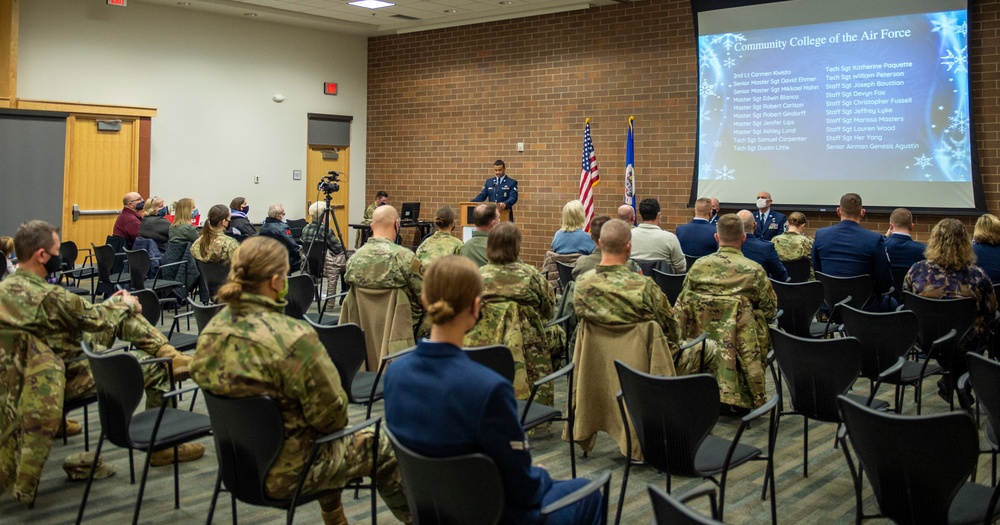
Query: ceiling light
x=250, y=14
x=184, y=3
x=450, y=11
x=505, y=3
x=371, y=4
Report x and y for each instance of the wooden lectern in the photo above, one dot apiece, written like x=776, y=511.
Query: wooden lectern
x=467, y=208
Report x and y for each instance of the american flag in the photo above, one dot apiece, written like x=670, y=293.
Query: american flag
x=589, y=176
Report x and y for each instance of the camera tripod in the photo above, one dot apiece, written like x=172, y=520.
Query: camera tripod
x=316, y=259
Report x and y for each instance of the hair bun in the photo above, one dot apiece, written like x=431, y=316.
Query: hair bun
x=440, y=311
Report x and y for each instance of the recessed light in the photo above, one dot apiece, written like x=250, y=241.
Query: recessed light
x=371, y=4
x=250, y=14
x=450, y=11
x=184, y=3
x=505, y=3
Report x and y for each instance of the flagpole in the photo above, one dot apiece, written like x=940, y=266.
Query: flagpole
x=630, y=169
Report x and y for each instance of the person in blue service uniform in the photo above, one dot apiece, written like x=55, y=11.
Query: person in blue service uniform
x=697, y=237
x=902, y=250
x=760, y=251
x=501, y=189
x=770, y=223
x=440, y=403
x=715, y=211
x=847, y=249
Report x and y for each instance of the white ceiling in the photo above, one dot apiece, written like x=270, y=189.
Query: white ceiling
x=405, y=16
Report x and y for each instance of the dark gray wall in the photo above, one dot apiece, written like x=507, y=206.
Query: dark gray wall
x=32, y=164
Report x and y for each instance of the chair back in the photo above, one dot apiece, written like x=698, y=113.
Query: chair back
x=450, y=491
x=690, y=259
x=565, y=274
x=107, y=261
x=118, y=377
x=203, y=313
x=884, y=337
x=836, y=289
x=300, y=295
x=496, y=357
x=798, y=270
x=800, y=301
x=647, y=266
x=249, y=434
x=138, y=267
x=937, y=317
x=816, y=371
x=670, y=511
x=316, y=257
x=68, y=252
x=898, y=275
x=915, y=464
x=671, y=416
x=985, y=376
x=296, y=226
x=670, y=283
x=150, y=305
x=213, y=275
x=345, y=344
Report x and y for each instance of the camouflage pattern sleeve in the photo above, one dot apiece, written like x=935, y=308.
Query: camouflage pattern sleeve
x=312, y=379
x=665, y=317
x=546, y=295
x=767, y=301
x=414, y=270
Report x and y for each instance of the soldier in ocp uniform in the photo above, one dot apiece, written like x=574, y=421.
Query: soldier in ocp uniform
x=252, y=348
x=442, y=242
x=501, y=189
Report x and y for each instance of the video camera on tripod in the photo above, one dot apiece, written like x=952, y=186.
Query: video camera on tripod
x=330, y=183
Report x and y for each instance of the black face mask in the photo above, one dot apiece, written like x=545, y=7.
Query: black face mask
x=245, y=210
x=53, y=265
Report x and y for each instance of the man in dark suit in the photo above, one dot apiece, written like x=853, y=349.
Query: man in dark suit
x=847, y=249
x=501, y=189
x=769, y=222
x=715, y=211
x=902, y=250
x=697, y=237
x=761, y=252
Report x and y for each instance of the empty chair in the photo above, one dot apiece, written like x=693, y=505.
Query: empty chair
x=213, y=275
x=466, y=488
x=690, y=259
x=565, y=274
x=674, y=418
x=69, y=253
x=249, y=434
x=138, y=267
x=301, y=293
x=668, y=510
x=670, y=283
x=985, y=377
x=858, y=288
x=151, y=312
x=203, y=313
x=917, y=466
x=800, y=302
x=110, y=266
x=799, y=270
x=345, y=345
x=937, y=318
x=886, y=339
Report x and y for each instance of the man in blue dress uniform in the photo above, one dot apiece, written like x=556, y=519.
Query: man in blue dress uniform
x=501, y=189
x=770, y=223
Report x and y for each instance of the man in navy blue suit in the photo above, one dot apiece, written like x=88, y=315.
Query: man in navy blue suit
x=501, y=189
x=902, y=250
x=715, y=211
x=847, y=249
x=770, y=223
x=761, y=252
x=697, y=237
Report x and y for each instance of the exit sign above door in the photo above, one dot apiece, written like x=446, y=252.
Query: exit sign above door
x=119, y=3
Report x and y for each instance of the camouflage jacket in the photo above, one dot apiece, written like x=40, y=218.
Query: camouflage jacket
x=928, y=279
x=222, y=249
x=521, y=283
x=369, y=212
x=438, y=245
x=617, y=295
x=727, y=272
x=252, y=348
x=793, y=246
x=381, y=264
x=54, y=315
x=588, y=262
x=475, y=249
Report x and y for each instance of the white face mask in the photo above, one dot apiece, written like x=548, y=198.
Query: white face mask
x=761, y=204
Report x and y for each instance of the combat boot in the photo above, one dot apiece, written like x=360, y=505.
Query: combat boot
x=181, y=362
x=335, y=516
x=185, y=452
x=70, y=427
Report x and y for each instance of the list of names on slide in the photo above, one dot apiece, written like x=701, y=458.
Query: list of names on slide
x=768, y=109
x=864, y=107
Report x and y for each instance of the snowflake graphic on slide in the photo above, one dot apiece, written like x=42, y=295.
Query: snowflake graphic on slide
x=725, y=173
x=922, y=161
x=728, y=40
x=706, y=89
x=729, y=63
x=706, y=169
x=707, y=57
x=957, y=59
x=958, y=121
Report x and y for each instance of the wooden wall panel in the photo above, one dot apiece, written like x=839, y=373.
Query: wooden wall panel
x=8, y=49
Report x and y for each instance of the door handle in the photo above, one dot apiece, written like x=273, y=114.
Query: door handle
x=77, y=212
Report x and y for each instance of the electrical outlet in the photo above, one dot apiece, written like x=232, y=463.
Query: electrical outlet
x=256, y=179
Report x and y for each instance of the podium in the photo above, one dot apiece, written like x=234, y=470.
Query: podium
x=466, y=209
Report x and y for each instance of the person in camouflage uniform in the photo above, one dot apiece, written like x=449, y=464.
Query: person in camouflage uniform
x=703, y=305
x=507, y=279
x=442, y=242
x=214, y=245
x=252, y=348
x=60, y=320
x=381, y=199
x=382, y=264
x=588, y=262
x=613, y=294
x=485, y=217
x=794, y=244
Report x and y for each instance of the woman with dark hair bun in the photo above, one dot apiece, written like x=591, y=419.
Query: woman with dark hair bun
x=442, y=242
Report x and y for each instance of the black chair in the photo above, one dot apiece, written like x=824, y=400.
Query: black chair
x=898, y=275
x=499, y=359
x=985, y=377
x=213, y=275
x=565, y=274
x=151, y=311
x=138, y=268
x=301, y=293
x=119, y=381
x=296, y=226
x=886, y=339
x=917, y=466
x=466, y=489
x=690, y=259
x=670, y=283
x=84, y=402
x=647, y=266
x=937, y=318
x=856, y=290
x=69, y=253
x=203, y=313
x=345, y=345
x=674, y=418
x=110, y=270
x=668, y=510
x=798, y=270
x=799, y=303
x=249, y=434
x=816, y=371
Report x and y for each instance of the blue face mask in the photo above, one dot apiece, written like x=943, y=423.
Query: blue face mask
x=162, y=212
x=194, y=213
x=140, y=206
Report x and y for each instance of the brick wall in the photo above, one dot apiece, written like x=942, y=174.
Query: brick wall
x=444, y=104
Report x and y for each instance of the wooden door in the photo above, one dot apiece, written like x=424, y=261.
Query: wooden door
x=101, y=167
x=317, y=168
